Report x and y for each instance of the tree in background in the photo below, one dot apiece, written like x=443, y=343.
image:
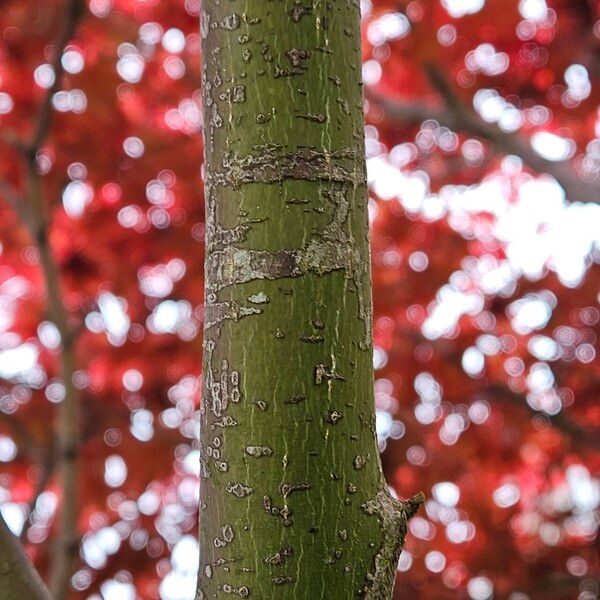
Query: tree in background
x=482, y=145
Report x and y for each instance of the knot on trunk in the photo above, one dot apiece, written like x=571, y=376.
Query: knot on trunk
x=393, y=518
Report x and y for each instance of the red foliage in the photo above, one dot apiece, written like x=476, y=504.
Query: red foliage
x=486, y=294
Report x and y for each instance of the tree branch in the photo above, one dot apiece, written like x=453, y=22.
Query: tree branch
x=46, y=467
x=458, y=117
x=68, y=417
x=578, y=434
x=37, y=453
x=14, y=200
x=18, y=578
x=73, y=12
x=33, y=214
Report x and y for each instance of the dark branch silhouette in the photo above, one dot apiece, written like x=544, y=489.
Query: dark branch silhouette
x=581, y=436
x=32, y=211
x=455, y=115
x=73, y=12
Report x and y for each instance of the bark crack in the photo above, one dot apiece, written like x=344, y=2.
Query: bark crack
x=269, y=163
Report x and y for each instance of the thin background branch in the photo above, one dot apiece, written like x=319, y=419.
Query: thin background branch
x=581, y=437
x=31, y=209
x=456, y=115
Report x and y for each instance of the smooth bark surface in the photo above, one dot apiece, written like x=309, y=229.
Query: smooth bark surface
x=293, y=502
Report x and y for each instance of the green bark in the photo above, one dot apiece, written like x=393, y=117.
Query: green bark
x=293, y=502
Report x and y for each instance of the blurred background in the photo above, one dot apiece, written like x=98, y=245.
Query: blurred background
x=483, y=151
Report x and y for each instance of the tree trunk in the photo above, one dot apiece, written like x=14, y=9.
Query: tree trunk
x=18, y=579
x=293, y=501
